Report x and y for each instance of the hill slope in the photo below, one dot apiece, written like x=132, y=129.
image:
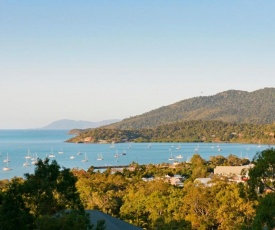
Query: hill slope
x=257, y=107
x=72, y=124
x=187, y=131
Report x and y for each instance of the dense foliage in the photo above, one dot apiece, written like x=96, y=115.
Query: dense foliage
x=188, y=131
x=232, y=106
x=263, y=174
x=262, y=181
x=42, y=200
x=151, y=204
x=156, y=204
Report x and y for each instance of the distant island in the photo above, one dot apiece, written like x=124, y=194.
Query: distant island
x=67, y=124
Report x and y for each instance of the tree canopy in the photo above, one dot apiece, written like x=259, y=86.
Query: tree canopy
x=262, y=175
x=42, y=199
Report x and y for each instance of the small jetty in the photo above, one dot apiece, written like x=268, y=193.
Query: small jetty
x=111, y=166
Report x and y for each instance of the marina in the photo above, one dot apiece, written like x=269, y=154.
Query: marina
x=17, y=146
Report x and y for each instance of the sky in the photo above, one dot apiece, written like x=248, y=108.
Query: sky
x=99, y=60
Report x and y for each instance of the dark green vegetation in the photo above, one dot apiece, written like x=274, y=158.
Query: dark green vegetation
x=39, y=201
x=263, y=175
x=231, y=106
x=262, y=178
x=42, y=200
x=188, y=131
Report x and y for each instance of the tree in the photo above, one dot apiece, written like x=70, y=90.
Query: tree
x=265, y=215
x=198, y=206
x=134, y=209
x=64, y=220
x=199, y=168
x=102, y=191
x=262, y=175
x=233, y=160
x=42, y=200
x=153, y=205
x=13, y=212
x=233, y=209
x=50, y=190
x=218, y=160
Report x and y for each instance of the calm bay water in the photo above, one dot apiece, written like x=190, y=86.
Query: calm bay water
x=17, y=144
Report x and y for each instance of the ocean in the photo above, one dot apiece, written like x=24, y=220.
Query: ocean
x=19, y=144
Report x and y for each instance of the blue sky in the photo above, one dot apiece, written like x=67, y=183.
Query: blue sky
x=97, y=60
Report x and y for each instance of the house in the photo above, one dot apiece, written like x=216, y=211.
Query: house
x=204, y=181
x=147, y=179
x=231, y=170
x=177, y=180
x=88, y=139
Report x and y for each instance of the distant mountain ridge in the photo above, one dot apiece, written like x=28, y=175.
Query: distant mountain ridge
x=234, y=106
x=73, y=124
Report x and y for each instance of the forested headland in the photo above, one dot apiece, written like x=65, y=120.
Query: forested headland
x=230, y=116
x=188, y=131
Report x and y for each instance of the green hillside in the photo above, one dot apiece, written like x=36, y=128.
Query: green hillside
x=188, y=131
x=257, y=107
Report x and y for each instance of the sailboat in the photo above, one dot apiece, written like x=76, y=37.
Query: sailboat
x=179, y=156
x=28, y=156
x=124, y=152
x=7, y=167
x=112, y=145
x=171, y=158
x=179, y=147
x=99, y=157
x=188, y=160
x=34, y=160
x=116, y=156
x=7, y=159
x=85, y=158
x=26, y=163
x=197, y=148
x=33, y=157
x=61, y=151
x=51, y=155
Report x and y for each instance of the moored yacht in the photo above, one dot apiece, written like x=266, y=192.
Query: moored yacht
x=7, y=168
x=85, y=158
x=29, y=155
x=99, y=157
x=7, y=159
x=26, y=163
